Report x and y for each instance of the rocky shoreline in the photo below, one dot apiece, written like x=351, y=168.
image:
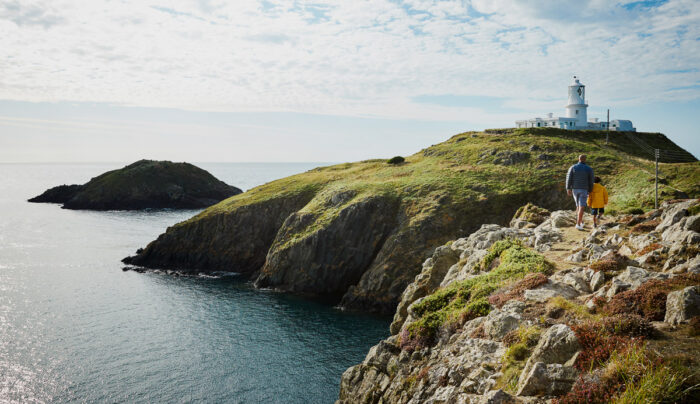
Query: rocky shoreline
x=549, y=331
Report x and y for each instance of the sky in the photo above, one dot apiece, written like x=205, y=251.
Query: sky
x=210, y=80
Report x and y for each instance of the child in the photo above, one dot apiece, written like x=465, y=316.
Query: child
x=597, y=200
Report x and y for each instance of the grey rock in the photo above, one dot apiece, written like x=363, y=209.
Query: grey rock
x=672, y=214
x=692, y=266
x=547, y=380
x=578, y=256
x=498, y=323
x=557, y=345
x=682, y=305
x=563, y=218
x=635, y=276
x=549, y=290
x=625, y=250
x=597, y=281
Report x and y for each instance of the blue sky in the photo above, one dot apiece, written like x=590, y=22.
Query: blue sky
x=212, y=80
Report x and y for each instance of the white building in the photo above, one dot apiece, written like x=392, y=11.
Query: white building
x=576, y=115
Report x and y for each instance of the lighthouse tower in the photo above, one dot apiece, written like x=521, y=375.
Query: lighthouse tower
x=577, y=107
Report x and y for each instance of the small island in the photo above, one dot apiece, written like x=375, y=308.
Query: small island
x=145, y=184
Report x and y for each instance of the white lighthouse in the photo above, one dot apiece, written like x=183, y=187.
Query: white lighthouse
x=577, y=107
x=576, y=115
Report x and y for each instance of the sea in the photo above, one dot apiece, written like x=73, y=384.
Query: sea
x=74, y=327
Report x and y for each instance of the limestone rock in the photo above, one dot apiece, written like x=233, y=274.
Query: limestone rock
x=578, y=256
x=597, y=281
x=547, y=380
x=498, y=323
x=673, y=213
x=434, y=270
x=635, y=276
x=549, y=290
x=556, y=345
x=682, y=305
x=562, y=218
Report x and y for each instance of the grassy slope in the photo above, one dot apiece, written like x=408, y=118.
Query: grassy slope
x=149, y=175
x=451, y=169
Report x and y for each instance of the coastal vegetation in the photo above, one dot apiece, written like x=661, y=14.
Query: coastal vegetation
x=356, y=233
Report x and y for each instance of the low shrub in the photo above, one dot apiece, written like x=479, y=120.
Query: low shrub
x=694, y=210
x=632, y=375
x=630, y=325
x=460, y=302
x=597, y=345
x=577, y=310
x=649, y=299
x=532, y=213
x=610, y=264
x=589, y=391
x=646, y=226
x=396, y=160
x=651, y=247
x=694, y=326
x=517, y=291
x=633, y=211
x=520, y=344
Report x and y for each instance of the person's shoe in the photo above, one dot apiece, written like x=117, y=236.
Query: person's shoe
x=580, y=227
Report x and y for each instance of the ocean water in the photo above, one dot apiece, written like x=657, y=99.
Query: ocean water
x=75, y=328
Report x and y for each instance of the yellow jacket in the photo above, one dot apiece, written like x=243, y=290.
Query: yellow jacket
x=598, y=198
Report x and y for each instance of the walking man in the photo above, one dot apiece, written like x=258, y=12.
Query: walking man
x=579, y=182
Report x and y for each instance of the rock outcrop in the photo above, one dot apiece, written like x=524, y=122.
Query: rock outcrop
x=144, y=184
x=478, y=325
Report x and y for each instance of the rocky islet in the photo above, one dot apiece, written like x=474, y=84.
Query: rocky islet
x=145, y=184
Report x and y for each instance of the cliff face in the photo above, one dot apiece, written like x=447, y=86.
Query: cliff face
x=357, y=232
x=142, y=185
x=237, y=241
x=539, y=311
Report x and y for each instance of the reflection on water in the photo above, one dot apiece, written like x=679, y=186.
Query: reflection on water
x=74, y=327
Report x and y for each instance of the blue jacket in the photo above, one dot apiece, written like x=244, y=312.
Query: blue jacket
x=580, y=176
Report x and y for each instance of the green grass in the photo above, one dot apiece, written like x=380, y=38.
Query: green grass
x=516, y=355
x=464, y=300
x=578, y=310
x=457, y=170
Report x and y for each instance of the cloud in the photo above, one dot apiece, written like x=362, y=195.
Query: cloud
x=347, y=58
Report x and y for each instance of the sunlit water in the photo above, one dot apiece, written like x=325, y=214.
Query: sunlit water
x=75, y=328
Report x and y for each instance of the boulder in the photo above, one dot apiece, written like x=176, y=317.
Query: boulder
x=498, y=323
x=547, y=380
x=635, y=276
x=597, y=281
x=549, y=290
x=692, y=265
x=556, y=345
x=578, y=256
x=549, y=369
x=529, y=216
x=563, y=218
x=673, y=213
x=682, y=305
x=543, y=238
